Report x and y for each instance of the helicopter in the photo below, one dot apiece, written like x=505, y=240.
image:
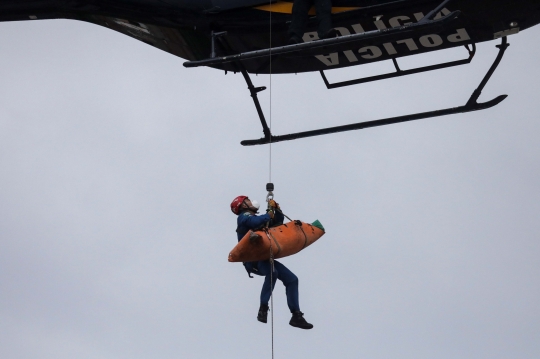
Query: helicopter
x=251, y=37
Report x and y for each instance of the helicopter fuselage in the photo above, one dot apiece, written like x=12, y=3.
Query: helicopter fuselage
x=183, y=27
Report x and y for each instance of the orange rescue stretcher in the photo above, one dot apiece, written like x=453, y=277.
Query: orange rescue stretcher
x=284, y=240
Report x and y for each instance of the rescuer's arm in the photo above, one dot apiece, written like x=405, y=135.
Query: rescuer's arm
x=251, y=221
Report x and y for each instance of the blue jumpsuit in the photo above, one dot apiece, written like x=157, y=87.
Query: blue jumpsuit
x=247, y=222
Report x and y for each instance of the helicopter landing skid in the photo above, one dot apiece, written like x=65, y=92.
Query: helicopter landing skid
x=427, y=25
x=471, y=106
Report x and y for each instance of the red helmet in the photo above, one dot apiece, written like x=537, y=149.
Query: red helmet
x=237, y=203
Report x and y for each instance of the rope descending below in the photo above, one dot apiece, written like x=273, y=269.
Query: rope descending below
x=270, y=189
x=272, y=295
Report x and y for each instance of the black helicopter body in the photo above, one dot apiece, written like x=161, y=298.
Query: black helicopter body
x=250, y=36
x=183, y=27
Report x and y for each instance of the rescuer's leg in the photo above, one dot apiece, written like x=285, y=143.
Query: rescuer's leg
x=290, y=280
x=324, y=16
x=264, y=269
x=299, y=20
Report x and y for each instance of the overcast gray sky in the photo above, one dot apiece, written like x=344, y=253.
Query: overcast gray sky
x=118, y=166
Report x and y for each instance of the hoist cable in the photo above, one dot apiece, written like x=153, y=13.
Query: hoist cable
x=270, y=88
x=272, y=295
x=270, y=181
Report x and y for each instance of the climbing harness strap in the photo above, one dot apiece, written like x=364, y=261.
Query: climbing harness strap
x=254, y=268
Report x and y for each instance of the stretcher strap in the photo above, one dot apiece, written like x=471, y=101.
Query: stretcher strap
x=280, y=211
x=299, y=224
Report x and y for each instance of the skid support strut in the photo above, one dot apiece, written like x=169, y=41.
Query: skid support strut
x=470, y=106
x=254, y=91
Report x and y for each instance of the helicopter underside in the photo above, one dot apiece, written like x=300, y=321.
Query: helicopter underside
x=234, y=35
x=182, y=29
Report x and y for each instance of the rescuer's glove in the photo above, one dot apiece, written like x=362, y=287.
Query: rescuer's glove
x=273, y=204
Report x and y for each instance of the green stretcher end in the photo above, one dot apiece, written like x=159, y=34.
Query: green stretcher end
x=318, y=225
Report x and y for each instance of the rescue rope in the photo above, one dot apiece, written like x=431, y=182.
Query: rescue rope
x=272, y=295
x=270, y=88
x=270, y=181
x=271, y=260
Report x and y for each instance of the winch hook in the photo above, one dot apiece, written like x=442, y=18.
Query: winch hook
x=270, y=189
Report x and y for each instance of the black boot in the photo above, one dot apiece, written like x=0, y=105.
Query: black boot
x=330, y=34
x=263, y=313
x=298, y=321
x=295, y=40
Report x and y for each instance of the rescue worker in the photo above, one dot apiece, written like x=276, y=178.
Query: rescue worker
x=248, y=220
x=300, y=13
